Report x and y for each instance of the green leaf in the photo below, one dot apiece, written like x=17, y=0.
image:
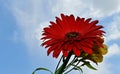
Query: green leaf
x=89, y=65
x=42, y=69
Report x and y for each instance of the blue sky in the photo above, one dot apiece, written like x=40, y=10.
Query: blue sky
x=21, y=24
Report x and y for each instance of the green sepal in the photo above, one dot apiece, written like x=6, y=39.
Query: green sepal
x=45, y=69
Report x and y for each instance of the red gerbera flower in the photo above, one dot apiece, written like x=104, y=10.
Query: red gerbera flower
x=71, y=35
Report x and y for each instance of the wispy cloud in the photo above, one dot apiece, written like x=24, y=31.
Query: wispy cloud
x=85, y=8
x=113, y=29
x=114, y=50
x=103, y=68
x=29, y=14
x=105, y=7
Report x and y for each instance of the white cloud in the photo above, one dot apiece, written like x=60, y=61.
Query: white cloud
x=27, y=24
x=86, y=8
x=31, y=18
x=105, y=7
x=29, y=14
x=67, y=6
x=113, y=50
x=103, y=68
x=39, y=29
x=113, y=29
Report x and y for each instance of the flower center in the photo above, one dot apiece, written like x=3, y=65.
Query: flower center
x=72, y=35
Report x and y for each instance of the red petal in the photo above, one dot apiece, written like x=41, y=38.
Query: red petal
x=56, y=52
x=93, y=23
x=87, y=50
x=76, y=51
x=87, y=21
x=92, y=29
x=50, y=50
x=65, y=53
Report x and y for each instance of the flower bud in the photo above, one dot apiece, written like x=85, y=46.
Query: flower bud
x=96, y=58
x=103, y=49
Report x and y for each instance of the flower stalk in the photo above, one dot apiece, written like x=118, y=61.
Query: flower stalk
x=61, y=69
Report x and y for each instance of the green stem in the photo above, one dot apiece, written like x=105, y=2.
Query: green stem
x=61, y=69
x=74, y=66
x=58, y=63
x=73, y=61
